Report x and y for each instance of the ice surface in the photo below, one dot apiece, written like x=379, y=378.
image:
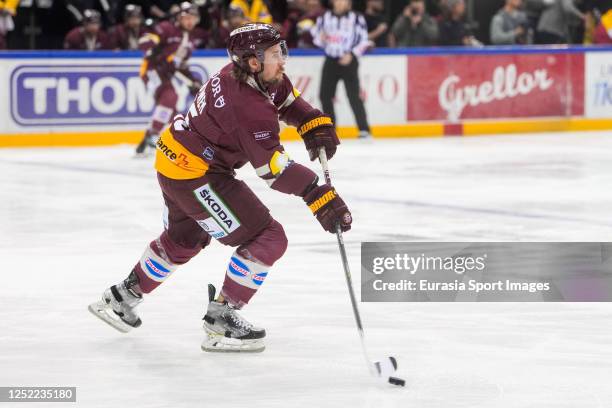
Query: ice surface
x=74, y=221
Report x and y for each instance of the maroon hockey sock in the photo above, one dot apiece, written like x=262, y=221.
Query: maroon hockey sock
x=242, y=279
x=159, y=260
x=249, y=265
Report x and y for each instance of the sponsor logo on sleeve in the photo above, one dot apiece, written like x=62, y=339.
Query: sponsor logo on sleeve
x=209, y=153
x=262, y=135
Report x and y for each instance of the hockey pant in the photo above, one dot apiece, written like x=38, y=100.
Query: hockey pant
x=221, y=207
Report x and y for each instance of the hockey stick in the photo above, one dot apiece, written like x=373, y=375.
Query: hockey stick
x=386, y=366
x=183, y=78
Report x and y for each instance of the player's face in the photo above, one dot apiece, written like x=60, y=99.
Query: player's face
x=275, y=58
x=188, y=21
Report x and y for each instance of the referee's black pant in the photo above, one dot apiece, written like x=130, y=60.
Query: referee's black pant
x=334, y=72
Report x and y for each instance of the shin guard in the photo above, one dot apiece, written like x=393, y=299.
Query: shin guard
x=152, y=270
x=242, y=279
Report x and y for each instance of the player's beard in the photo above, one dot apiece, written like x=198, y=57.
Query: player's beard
x=275, y=80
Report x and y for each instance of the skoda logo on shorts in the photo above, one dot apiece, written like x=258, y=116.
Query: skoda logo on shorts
x=220, y=213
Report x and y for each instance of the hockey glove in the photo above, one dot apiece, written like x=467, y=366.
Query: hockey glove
x=329, y=208
x=319, y=132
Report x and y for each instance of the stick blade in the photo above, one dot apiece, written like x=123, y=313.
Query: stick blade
x=386, y=366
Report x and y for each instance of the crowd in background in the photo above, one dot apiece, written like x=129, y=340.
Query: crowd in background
x=117, y=24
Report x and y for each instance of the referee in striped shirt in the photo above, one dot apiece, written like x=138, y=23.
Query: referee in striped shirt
x=343, y=35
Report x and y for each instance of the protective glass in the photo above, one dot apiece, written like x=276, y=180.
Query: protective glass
x=276, y=55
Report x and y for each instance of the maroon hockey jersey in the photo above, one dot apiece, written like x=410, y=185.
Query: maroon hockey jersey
x=122, y=38
x=76, y=39
x=168, y=48
x=231, y=123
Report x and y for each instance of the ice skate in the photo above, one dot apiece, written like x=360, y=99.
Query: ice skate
x=146, y=147
x=227, y=331
x=118, y=305
x=364, y=135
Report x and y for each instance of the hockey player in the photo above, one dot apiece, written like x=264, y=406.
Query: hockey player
x=167, y=51
x=89, y=36
x=233, y=120
x=126, y=36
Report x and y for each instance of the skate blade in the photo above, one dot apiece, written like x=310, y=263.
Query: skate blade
x=218, y=343
x=103, y=312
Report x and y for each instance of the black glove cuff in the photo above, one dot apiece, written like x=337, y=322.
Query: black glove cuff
x=310, y=187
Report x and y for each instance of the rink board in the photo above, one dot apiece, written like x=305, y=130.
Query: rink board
x=78, y=98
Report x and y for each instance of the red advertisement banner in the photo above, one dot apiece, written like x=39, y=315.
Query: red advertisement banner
x=456, y=87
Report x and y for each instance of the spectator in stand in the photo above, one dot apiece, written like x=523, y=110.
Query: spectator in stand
x=279, y=10
x=108, y=9
x=198, y=35
x=509, y=25
x=125, y=36
x=375, y=19
x=603, y=31
x=255, y=11
x=7, y=11
x=533, y=9
x=314, y=10
x=452, y=27
x=145, y=7
x=593, y=11
x=414, y=28
x=89, y=36
x=555, y=21
x=234, y=19
x=296, y=9
x=436, y=8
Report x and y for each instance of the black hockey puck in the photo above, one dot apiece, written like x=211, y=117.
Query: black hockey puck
x=397, y=381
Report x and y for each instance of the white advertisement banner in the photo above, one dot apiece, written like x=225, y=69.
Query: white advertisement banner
x=598, y=85
x=40, y=95
x=383, y=87
x=90, y=95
